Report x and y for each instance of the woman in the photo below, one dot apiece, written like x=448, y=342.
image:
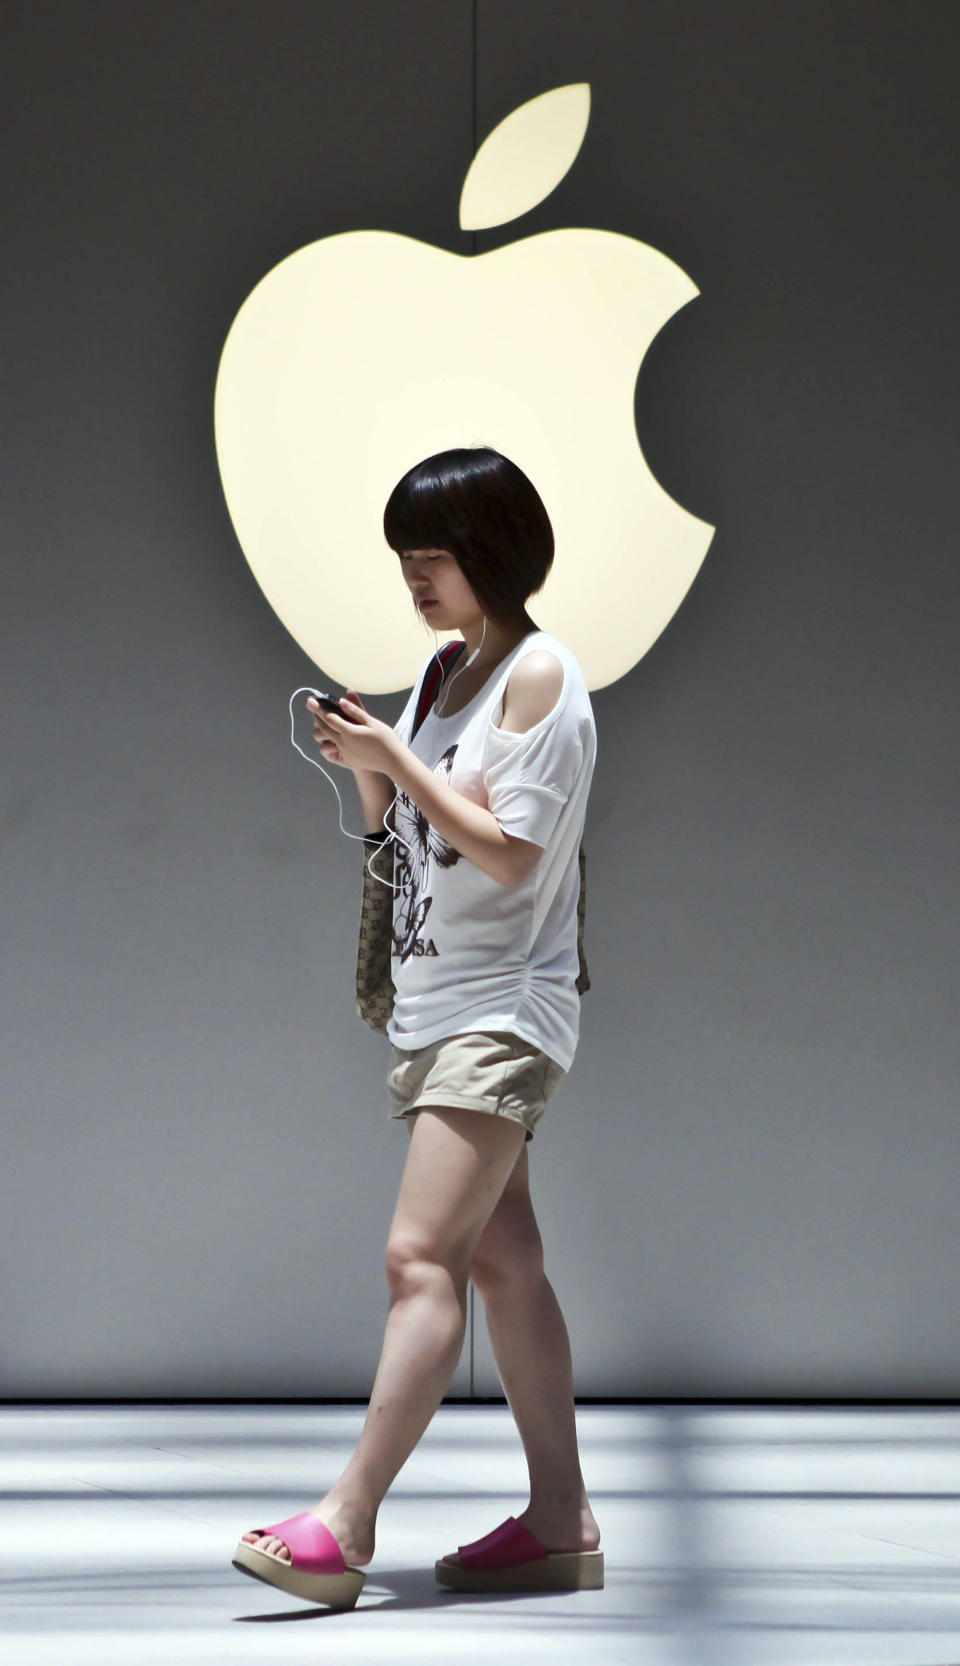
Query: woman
x=488, y=807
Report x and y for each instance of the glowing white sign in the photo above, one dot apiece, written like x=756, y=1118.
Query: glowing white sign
x=365, y=352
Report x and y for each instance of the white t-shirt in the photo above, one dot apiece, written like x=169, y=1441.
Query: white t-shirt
x=470, y=953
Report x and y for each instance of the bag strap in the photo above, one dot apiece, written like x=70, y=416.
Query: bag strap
x=434, y=675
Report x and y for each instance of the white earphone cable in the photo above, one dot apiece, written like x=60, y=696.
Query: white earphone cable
x=391, y=834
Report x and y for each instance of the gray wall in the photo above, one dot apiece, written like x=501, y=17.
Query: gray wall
x=747, y=1183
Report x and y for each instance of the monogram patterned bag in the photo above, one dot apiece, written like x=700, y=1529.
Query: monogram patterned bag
x=375, y=986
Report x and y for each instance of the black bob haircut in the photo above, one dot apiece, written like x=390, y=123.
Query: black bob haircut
x=478, y=505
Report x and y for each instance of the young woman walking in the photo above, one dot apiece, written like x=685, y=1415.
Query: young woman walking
x=486, y=808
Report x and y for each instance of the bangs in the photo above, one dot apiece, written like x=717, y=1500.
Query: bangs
x=439, y=504
x=417, y=516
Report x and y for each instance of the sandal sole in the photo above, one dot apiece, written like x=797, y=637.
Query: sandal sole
x=336, y=1590
x=577, y=1570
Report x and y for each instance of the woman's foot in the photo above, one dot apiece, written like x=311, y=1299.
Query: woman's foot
x=353, y=1535
x=560, y=1528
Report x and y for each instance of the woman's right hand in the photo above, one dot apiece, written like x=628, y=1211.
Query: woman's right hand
x=323, y=733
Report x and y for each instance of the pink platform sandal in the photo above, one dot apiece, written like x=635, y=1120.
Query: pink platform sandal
x=511, y=1559
x=317, y=1571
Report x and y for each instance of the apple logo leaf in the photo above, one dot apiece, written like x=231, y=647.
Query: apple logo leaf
x=525, y=157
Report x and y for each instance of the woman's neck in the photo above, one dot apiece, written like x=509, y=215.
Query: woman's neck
x=494, y=641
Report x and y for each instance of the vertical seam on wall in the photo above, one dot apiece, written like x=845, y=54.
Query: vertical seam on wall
x=471, y=1293
x=475, y=57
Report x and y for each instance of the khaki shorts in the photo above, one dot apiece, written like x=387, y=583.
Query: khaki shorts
x=491, y=1071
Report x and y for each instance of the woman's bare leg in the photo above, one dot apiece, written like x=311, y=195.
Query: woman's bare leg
x=457, y=1165
x=532, y=1350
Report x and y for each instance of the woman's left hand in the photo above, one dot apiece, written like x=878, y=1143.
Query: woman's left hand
x=365, y=744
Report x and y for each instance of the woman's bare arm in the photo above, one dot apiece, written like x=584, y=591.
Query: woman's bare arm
x=472, y=830
x=377, y=793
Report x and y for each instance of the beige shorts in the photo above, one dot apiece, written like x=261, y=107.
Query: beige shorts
x=491, y=1071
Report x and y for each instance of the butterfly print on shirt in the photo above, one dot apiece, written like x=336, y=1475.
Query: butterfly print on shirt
x=412, y=862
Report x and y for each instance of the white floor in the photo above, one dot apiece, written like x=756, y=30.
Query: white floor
x=731, y=1536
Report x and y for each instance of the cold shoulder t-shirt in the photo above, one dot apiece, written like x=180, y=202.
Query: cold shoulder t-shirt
x=468, y=952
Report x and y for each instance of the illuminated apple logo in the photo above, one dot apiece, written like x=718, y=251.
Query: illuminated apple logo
x=365, y=352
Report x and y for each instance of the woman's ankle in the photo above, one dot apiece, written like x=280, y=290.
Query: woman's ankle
x=561, y=1500
x=560, y=1525
x=352, y=1524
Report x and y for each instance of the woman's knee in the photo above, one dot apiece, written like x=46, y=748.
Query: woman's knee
x=415, y=1263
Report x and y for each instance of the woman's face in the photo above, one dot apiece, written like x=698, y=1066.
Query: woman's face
x=442, y=594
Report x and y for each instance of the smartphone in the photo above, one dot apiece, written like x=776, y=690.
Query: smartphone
x=332, y=705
